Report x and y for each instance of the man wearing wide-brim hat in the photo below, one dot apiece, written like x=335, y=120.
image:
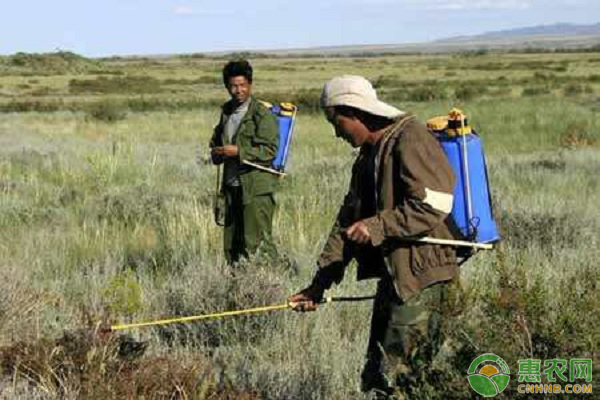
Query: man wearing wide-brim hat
x=401, y=189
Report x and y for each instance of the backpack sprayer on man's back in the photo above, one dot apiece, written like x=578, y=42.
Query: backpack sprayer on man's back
x=472, y=208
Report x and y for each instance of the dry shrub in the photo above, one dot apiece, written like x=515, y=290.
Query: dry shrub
x=557, y=165
x=107, y=111
x=577, y=135
x=19, y=305
x=544, y=229
x=252, y=283
x=118, y=84
x=95, y=364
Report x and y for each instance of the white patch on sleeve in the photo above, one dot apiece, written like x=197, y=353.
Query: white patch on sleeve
x=439, y=200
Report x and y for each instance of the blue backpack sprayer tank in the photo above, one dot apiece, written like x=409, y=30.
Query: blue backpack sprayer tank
x=286, y=117
x=472, y=208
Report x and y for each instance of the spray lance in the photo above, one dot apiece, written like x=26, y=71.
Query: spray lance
x=249, y=311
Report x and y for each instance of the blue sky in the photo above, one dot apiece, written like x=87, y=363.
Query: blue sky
x=120, y=27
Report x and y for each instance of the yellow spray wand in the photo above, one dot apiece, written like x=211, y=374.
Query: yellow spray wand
x=229, y=313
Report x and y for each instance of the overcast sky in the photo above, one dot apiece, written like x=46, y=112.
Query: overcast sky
x=120, y=27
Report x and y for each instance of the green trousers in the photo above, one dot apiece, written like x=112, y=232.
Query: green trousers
x=248, y=227
x=405, y=337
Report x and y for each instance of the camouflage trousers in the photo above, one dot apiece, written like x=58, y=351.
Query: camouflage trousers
x=248, y=227
x=405, y=337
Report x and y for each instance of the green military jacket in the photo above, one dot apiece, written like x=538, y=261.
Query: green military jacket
x=414, y=184
x=257, y=138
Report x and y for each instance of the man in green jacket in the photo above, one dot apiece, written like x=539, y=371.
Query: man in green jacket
x=247, y=131
x=401, y=190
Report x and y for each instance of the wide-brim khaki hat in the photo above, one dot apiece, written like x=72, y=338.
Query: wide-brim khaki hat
x=355, y=91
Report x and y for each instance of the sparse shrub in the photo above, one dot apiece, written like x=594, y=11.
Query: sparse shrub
x=251, y=283
x=95, y=364
x=193, y=56
x=474, y=53
x=126, y=84
x=209, y=80
x=575, y=89
x=123, y=296
x=421, y=93
x=535, y=91
x=275, y=67
x=490, y=66
x=20, y=305
x=549, y=231
x=41, y=91
x=388, y=81
x=134, y=104
x=33, y=105
x=243, y=55
x=577, y=135
x=540, y=76
x=468, y=92
x=594, y=78
x=307, y=100
x=129, y=207
x=500, y=91
x=551, y=165
x=106, y=111
x=106, y=72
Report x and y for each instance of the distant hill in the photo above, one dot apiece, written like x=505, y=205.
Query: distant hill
x=560, y=36
x=560, y=29
x=556, y=36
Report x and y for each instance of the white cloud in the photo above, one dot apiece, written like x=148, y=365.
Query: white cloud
x=453, y=4
x=483, y=5
x=183, y=10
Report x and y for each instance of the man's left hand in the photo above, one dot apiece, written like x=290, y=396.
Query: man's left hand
x=359, y=233
x=227, y=151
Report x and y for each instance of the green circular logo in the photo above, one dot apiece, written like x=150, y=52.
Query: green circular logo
x=489, y=379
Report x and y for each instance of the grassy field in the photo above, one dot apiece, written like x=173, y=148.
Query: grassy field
x=105, y=216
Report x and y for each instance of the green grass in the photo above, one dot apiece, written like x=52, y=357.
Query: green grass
x=111, y=220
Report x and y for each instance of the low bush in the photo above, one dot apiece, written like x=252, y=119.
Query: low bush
x=427, y=91
x=307, y=100
x=535, y=91
x=469, y=92
x=577, y=135
x=125, y=84
x=550, y=232
x=106, y=111
x=575, y=89
x=594, y=78
x=95, y=364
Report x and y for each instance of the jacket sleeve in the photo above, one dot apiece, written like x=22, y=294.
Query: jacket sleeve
x=338, y=251
x=217, y=141
x=264, y=141
x=427, y=181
